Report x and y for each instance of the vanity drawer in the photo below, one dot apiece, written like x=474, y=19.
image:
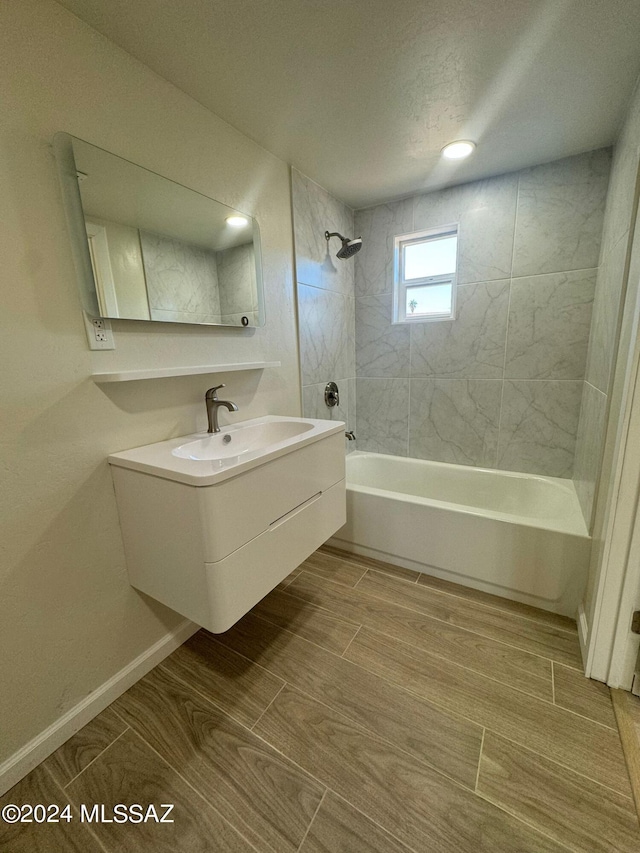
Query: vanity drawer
x=237, y=510
x=216, y=595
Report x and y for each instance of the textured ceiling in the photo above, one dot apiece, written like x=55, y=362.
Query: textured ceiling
x=362, y=94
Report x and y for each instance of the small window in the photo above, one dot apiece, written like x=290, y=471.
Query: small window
x=425, y=275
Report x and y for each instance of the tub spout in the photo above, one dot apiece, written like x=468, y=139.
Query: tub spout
x=350, y=434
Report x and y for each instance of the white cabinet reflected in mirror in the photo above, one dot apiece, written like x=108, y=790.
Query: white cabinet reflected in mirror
x=147, y=248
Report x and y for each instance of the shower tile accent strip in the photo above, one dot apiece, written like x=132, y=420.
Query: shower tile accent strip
x=358, y=707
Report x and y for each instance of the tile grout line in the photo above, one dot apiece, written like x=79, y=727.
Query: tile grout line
x=371, y=733
x=557, y=763
x=484, y=732
x=352, y=559
x=351, y=641
x=433, y=654
x=460, y=714
x=506, y=333
x=282, y=686
x=450, y=712
x=501, y=610
x=128, y=727
x=436, y=704
x=315, y=814
x=451, y=624
x=211, y=701
x=344, y=622
x=414, y=610
x=440, y=592
x=447, y=377
x=335, y=793
x=544, y=833
x=196, y=791
x=487, y=677
x=408, y=645
x=62, y=790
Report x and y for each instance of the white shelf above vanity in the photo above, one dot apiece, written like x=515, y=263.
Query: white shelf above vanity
x=164, y=372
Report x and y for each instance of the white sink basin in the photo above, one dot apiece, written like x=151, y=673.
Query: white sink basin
x=241, y=439
x=203, y=459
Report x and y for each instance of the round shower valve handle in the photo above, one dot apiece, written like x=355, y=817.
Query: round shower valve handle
x=331, y=395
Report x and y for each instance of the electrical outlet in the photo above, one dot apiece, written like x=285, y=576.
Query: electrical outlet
x=99, y=332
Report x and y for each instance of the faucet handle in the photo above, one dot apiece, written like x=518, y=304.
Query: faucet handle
x=212, y=393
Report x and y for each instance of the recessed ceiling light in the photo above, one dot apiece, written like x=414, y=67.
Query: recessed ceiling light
x=458, y=150
x=237, y=221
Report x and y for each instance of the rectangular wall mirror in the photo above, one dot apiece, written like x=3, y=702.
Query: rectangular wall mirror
x=147, y=248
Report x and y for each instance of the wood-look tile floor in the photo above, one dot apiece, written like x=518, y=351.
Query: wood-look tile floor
x=359, y=708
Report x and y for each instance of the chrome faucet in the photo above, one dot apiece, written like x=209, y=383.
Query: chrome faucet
x=213, y=404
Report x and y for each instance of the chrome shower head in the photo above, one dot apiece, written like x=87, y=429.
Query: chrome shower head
x=349, y=247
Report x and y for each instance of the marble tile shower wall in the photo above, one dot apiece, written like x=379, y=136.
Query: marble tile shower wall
x=501, y=385
x=326, y=304
x=607, y=309
x=182, y=280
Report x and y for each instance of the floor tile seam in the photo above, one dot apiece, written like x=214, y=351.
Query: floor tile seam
x=544, y=679
x=452, y=624
x=351, y=641
x=102, y=751
x=528, y=824
x=557, y=763
x=448, y=661
x=375, y=822
x=329, y=789
x=289, y=581
x=200, y=795
x=461, y=666
x=316, y=573
x=355, y=562
x=420, y=649
x=293, y=633
x=234, y=720
x=475, y=787
x=473, y=604
x=353, y=625
x=389, y=575
x=69, y=799
x=436, y=706
x=370, y=732
x=315, y=815
x=441, y=706
x=494, y=607
x=460, y=596
x=212, y=702
x=342, y=619
x=489, y=678
x=462, y=628
x=282, y=686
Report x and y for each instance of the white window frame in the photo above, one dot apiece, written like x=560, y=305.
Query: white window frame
x=401, y=286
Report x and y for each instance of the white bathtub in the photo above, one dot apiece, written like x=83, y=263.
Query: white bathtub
x=521, y=536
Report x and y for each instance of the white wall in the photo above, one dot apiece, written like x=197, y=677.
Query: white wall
x=69, y=619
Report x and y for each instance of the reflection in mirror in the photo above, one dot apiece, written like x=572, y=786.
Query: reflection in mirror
x=148, y=248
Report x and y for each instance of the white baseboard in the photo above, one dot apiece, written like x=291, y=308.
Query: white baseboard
x=29, y=756
x=583, y=633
